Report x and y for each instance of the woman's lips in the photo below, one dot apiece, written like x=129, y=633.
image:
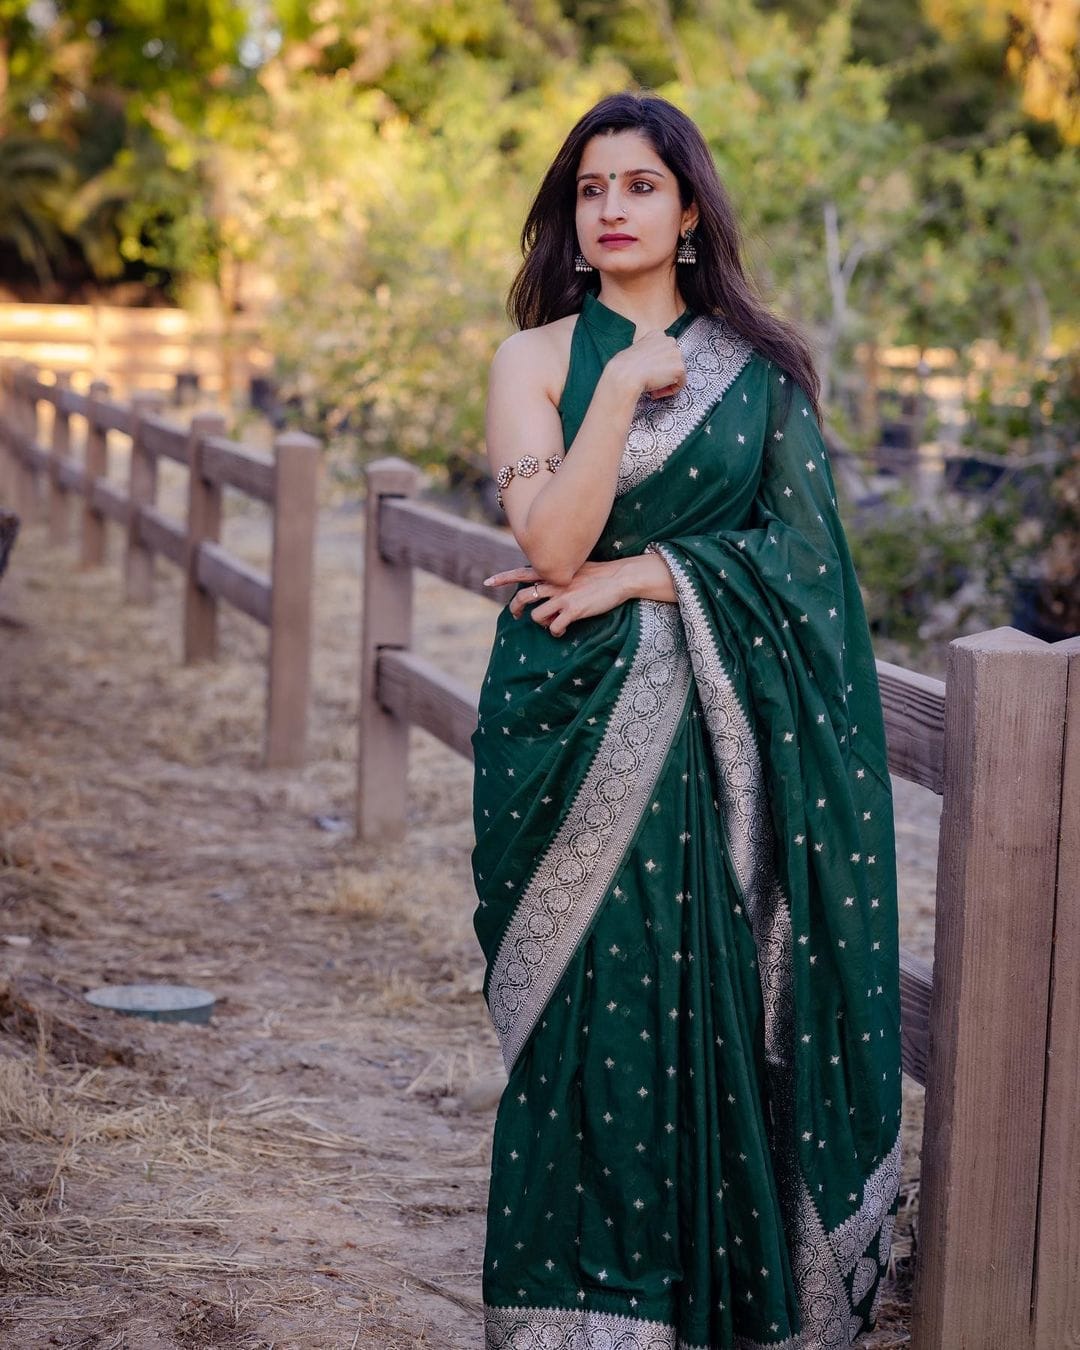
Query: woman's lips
x=617, y=240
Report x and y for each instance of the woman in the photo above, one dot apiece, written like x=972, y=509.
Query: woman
x=684, y=838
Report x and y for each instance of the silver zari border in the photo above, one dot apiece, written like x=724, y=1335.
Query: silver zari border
x=713, y=354
x=531, y=1328
x=820, y=1260
x=746, y=814
x=574, y=1329
x=851, y=1238
x=524, y=1328
x=578, y=866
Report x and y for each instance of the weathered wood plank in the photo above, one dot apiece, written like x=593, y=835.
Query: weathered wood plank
x=233, y=465
x=142, y=492
x=162, y=438
x=418, y=692
x=8, y=467
x=227, y=578
x=111, y=415
x=93, y=538
x=71, y=475
x=994, y=930
x=161, y=535
x=461, y=551
x=1057, y=1289
x=203, y=526
x=295, y=492
x=26, y=414
x=69, y=401
x=110, y=502
x=914, y=709
x=35, y=457
x=59, y=493
x=381, y=761
x=916, y=982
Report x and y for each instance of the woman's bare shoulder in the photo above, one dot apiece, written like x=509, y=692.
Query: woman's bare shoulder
x=539, y=356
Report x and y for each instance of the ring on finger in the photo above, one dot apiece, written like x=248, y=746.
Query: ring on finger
x=536, y=590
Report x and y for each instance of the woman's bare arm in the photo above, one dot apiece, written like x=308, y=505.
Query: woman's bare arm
x=557, y=518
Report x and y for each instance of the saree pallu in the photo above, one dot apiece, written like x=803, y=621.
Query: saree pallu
x=686, y=878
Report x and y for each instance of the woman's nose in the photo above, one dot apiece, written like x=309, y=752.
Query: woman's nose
x=613, y=207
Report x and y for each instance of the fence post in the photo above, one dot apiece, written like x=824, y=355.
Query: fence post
x=27, y=499
x=96, y=464
x=142, y=491
x=60, y=453
x=1056, y=1294
x=13, y=429
x=994, y=928
x=292, y=578
x=382, y=761
x=18, y=428
x=203, y=523
x=8, y=428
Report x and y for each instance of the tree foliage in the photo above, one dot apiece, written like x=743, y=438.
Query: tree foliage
x=904, y=169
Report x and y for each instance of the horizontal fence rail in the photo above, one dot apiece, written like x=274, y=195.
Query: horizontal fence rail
x=286, y=481
x=136, y=347
x=999, y=1218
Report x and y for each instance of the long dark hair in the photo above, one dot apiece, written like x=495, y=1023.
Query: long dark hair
x=547, y=287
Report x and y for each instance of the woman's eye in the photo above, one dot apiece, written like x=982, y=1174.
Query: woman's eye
x=591, y=189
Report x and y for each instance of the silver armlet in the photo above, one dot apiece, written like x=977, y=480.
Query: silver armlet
x=526, y=466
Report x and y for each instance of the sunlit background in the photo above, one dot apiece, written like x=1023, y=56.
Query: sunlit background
x=311, y=213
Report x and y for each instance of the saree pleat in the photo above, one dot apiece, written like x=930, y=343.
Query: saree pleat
x=686, y=886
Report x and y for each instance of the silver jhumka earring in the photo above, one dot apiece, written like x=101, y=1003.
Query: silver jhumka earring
x=687, y=252
x=582, y=265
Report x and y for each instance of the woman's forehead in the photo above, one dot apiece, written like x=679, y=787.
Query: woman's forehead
x=619, y=152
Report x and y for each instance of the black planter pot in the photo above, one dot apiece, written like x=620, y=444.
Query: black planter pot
x=972, y=473
x=897, y=451
x=9, y=528
x=1026, y=614
x=186, y=392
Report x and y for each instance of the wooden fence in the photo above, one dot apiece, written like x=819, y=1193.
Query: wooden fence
x=134, y=347
x=286, y=481
x=991, y=1030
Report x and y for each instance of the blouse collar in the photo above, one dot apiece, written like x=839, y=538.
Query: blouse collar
x=598, y=316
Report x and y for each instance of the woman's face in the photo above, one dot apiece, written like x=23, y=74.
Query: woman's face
x=629, y=215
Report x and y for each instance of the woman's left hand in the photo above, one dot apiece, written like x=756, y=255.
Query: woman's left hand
x=595, y=588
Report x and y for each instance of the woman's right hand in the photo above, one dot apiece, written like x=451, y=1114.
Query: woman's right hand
x=653, y=364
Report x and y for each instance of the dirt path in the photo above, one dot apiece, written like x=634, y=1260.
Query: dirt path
x=306, y=1170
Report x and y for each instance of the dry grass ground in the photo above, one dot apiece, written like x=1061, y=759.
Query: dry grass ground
x=306, y=1170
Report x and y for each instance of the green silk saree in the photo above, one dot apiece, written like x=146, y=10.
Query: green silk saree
x=686, y=878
